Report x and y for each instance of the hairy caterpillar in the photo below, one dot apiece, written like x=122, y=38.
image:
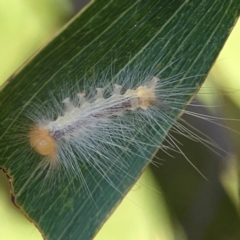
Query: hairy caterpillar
x=94, y=126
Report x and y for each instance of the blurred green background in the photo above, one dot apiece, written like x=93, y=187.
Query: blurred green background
x=171, y=200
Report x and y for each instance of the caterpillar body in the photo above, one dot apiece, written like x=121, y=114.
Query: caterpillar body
x=80, y=119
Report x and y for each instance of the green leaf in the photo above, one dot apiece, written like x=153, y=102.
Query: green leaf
x=182, y=36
